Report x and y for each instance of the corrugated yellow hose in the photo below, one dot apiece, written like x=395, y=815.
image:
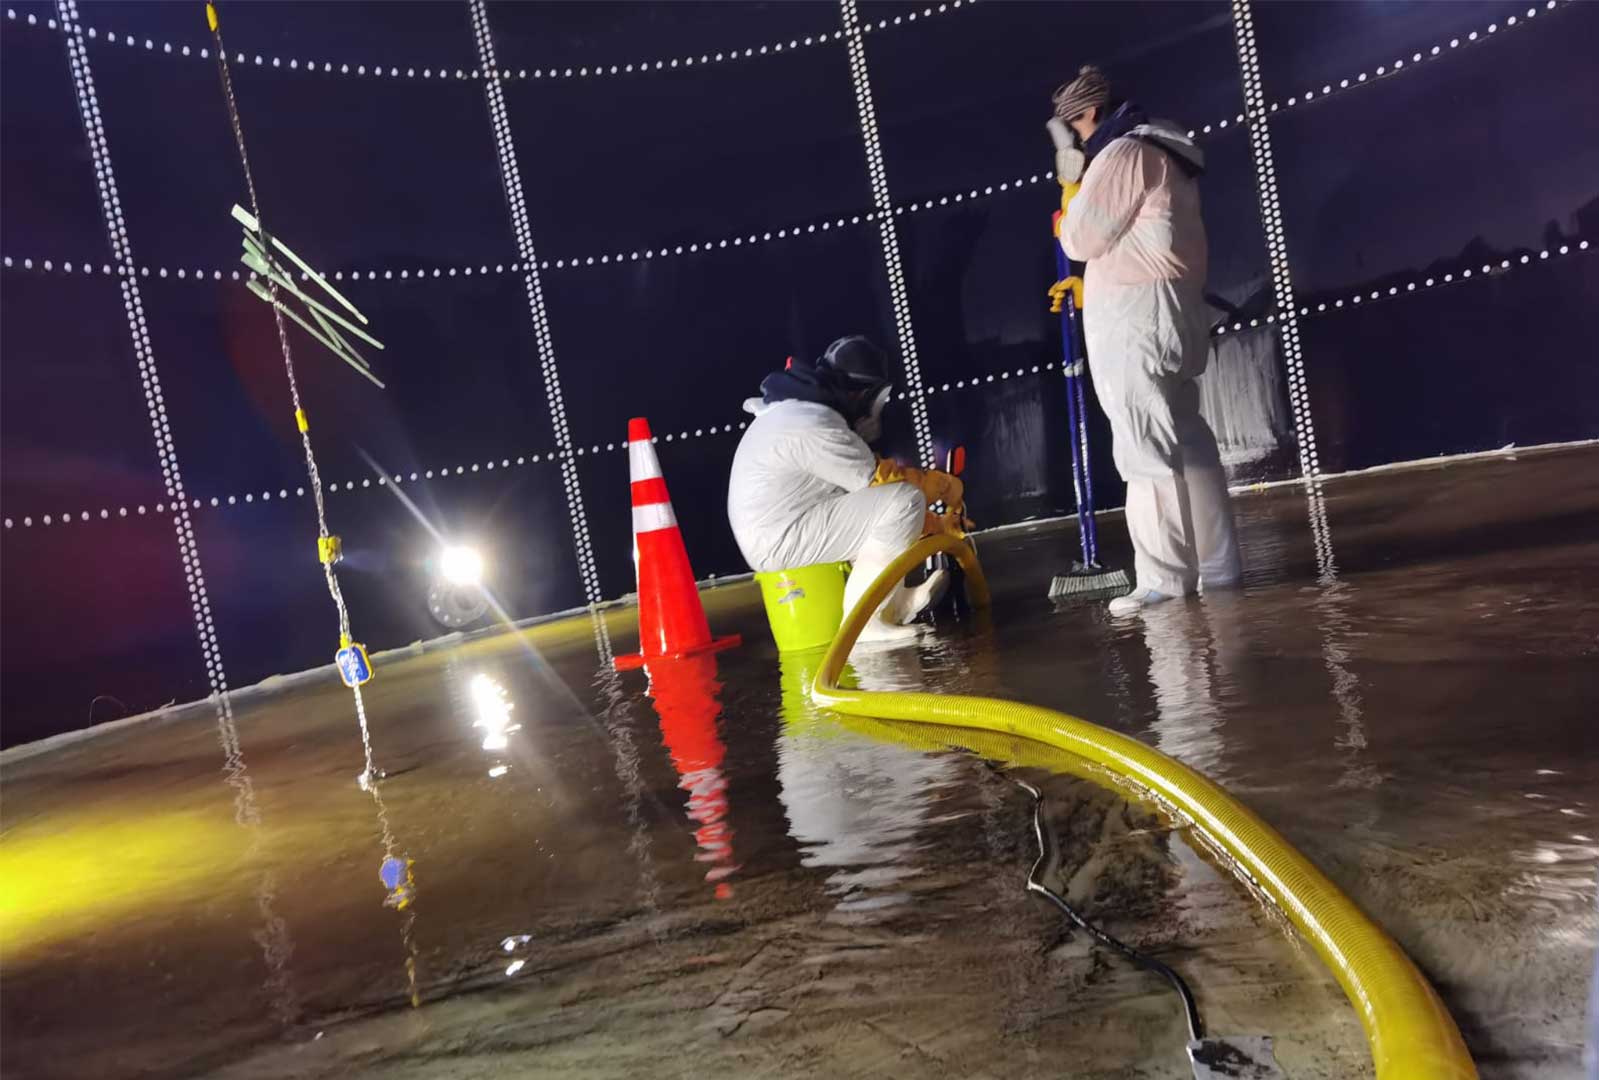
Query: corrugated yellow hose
x=1411, y=1034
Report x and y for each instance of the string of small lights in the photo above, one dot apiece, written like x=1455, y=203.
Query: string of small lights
x=516, y=200
x=1436, y=280
x=1287, y=321
x=1276, y=244
x=1490, y=32
x=77, y=517
x=88, y=104
x=899, y=296
x=434, y=73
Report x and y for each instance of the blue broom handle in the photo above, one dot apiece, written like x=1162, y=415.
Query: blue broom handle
x=1082, y=437
x=1075, y=416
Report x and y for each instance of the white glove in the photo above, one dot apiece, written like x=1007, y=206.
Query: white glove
x=1069, y=161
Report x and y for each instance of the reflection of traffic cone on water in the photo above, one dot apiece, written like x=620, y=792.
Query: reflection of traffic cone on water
x=685, y=696
x=671, y=619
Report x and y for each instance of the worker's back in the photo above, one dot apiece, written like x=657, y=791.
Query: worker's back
x=794, y=455
x=1146, y=173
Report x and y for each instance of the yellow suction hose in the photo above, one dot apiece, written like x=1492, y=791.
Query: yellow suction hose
x=1411, y=1034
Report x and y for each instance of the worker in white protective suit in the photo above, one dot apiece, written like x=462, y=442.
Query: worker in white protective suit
x=1130, y=198
x=806, y=487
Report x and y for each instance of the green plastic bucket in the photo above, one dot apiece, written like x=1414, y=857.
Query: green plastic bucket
x=805, y=605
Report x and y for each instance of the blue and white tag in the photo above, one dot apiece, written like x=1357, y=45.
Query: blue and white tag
x=355, y=667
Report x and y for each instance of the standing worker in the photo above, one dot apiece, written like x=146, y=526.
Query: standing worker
x=1130, y=197
x=806, y=487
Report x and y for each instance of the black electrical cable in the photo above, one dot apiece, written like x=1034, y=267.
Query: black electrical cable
x=1196, y=1027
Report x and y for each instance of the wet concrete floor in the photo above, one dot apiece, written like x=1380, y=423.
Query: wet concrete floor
x=703, y=875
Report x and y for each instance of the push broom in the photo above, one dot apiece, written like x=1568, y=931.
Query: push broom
x=1087, y=578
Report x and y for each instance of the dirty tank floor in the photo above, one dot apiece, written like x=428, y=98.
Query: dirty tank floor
x=710, y=878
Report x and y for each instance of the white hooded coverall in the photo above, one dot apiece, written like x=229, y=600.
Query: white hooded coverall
x=800, y=492
x=1136, y=223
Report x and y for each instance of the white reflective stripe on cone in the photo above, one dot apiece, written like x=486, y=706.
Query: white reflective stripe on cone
x=653, y=517
x=641, y=461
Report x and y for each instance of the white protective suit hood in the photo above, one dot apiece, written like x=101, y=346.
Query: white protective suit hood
x=1172, y=139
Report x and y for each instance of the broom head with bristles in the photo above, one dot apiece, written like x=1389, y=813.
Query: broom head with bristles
x=1089, y=581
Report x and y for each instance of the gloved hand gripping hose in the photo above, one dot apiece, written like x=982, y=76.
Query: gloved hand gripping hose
x=939, y=488
x=1410, y=1033
x=935, y=485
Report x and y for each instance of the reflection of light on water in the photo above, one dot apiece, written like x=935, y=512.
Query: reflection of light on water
x=273, y=936
x=855, y=805
x=1560, y=880
x=510, y=945
x=1187, y=723
x=707, y=804
x=498, y=771
x=707, y=808
x=493, y=709
x=395, y=872
x=617, y=719
x=687, y=703
x=1320, y=530
x=1336, y=629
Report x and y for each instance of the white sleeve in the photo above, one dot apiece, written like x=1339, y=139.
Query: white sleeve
x=833, y=452
x=1113, y=192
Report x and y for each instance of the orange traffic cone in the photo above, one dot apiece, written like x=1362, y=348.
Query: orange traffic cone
x=671, y=619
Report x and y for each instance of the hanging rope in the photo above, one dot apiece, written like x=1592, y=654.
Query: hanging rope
x=328, y=545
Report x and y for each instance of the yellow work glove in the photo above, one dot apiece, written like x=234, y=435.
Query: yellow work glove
x=1068, y=192
x=889, y=471
x=1058, y=291
x=953, y=522
x=935, y=485
x=941, y=487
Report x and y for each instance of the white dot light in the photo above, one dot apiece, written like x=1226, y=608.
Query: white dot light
x=166, y=452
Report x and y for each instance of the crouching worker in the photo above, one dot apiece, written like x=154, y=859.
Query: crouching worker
x=806, y=488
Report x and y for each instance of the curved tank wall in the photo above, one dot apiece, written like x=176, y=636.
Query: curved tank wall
x=696, y=180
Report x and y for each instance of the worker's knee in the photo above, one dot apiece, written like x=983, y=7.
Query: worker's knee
x=901, y=508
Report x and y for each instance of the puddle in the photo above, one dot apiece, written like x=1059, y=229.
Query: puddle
x=698, y=873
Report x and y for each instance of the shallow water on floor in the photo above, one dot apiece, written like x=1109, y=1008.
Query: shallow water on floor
x=695, y=872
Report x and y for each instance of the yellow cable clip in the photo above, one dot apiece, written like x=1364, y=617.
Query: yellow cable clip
x=345, y=640
x=211, y=16
x=301, y=422
x=329, y=549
